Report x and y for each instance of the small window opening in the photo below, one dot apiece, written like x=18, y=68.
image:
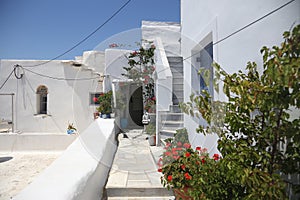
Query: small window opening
x=42, y=99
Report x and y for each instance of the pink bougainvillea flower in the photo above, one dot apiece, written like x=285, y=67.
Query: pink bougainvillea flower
x=170, y=178
x=176, y=157
x=216, y=157
x=146, y=81
x=153, y=98
x=187, y=145
x=179, y=144
x=187, y=154
x=168, y=144
x=168, y=153
x=182, y=167
x=95, y=99
x=187, y=176
x=113, y=45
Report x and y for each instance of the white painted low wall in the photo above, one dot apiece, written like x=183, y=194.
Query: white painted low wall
x=12, y=142
x=81, y=171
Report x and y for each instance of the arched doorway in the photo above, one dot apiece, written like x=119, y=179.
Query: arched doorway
x=136, y=107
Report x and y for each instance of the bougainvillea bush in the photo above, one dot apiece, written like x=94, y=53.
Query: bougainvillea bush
x=258, y=138
x=140, y=70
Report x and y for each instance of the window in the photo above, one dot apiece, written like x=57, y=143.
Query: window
x=206, y=58
x=42, y=100
x=92, y=98
x=201, y=66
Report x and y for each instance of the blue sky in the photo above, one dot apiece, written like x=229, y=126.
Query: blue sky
x=43, y=29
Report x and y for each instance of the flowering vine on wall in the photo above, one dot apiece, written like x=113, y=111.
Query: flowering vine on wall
x=140, y=70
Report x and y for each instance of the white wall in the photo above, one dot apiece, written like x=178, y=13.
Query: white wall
x=81, y=171
x=169, y=32
x=68, y=101
x=221, y=18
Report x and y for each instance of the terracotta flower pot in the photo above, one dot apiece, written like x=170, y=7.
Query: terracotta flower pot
x=182, y=193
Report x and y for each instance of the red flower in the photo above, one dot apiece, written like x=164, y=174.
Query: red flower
x=168, y=153
x=187, y=145
x=159, y=170
x=154, y=98
x=187, y=154
x=198, y=148
x=168, y=144
x=182, y=167
x=95, y=99
x=179, y=144
x=176, y=157
x=170, y=178
x=187, y=176
x=216, y=157
x=203, y=161
x=134, y=53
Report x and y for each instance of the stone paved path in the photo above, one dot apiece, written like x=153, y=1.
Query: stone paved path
x=134, y=172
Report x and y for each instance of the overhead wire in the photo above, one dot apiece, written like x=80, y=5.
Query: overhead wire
x=246, y=26
x=6, y=79
x=219, y=41
x=84, y=39
x=60, y=78
x=239, y=30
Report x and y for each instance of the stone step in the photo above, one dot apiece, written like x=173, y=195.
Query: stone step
x=177, y=86
x=171, y=124
x=113, y=193
x=175, y=109
x=141, y=198
x=168, y=132
x=176, y=59
x=177, y=75
x=177, y=80
x=172, y=116
x=176, y=69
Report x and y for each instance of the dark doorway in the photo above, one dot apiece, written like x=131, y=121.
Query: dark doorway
x=136, y=105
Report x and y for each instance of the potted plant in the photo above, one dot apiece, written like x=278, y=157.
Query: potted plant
x=71, y=129
x=183, y=168
x=151, y=131
x=105, y=104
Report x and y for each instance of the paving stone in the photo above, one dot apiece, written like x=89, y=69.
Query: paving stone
x=134, y=171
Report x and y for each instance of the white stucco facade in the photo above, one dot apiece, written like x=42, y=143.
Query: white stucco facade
x=68, y=98
x=211, y=21
x=168, y=32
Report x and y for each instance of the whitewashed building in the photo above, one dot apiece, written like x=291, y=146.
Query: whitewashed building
x=47, y=96
x=230, y=33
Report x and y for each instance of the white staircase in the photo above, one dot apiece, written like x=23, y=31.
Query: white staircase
x=173, y=119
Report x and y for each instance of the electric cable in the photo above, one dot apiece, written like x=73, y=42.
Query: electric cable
x=84, y=39
x=244, y=27
x=6, y=79
x=60, y=78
